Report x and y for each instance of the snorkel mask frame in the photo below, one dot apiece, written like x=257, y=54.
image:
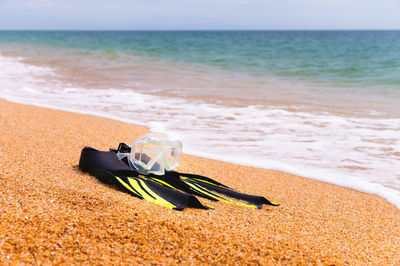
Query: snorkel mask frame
x=151, y=154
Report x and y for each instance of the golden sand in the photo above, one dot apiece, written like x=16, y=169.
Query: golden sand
x=53, y=213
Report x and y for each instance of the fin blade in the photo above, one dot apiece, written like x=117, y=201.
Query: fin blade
x=219, y=197
x=222, y=190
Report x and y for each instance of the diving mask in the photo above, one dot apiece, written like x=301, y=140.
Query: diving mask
x=152, y=153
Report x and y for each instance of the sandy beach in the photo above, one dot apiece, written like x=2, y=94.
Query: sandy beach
x=51, y=212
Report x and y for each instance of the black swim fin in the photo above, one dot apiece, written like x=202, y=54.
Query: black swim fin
x=109, y=169
x=218, y=190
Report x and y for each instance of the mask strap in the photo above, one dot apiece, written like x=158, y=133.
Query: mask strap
x=124, y=148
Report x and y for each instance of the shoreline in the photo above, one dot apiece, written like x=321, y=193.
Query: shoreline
x=54, y=213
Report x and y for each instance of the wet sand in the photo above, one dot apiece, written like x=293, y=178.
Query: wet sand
x=53, y=213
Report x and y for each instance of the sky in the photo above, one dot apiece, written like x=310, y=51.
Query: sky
x=199, y=14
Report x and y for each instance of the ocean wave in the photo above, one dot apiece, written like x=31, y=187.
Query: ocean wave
x=361, y=153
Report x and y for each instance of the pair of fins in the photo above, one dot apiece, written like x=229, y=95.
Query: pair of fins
x=173, y=190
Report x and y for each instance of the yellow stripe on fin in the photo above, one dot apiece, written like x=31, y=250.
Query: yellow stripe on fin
x=200, y=180
x=162, y=182
x=159, y=200
x=127, y=186
x=218, y=196
x=148, y=194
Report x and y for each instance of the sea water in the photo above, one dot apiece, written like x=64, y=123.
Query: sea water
x=320, y=104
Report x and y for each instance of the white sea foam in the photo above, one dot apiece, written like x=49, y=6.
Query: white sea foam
x=359, y=153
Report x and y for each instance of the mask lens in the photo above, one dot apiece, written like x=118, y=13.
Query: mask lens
x=155, y=153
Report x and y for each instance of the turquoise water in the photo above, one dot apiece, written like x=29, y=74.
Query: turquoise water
x=320, y=104
x=346, y=58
